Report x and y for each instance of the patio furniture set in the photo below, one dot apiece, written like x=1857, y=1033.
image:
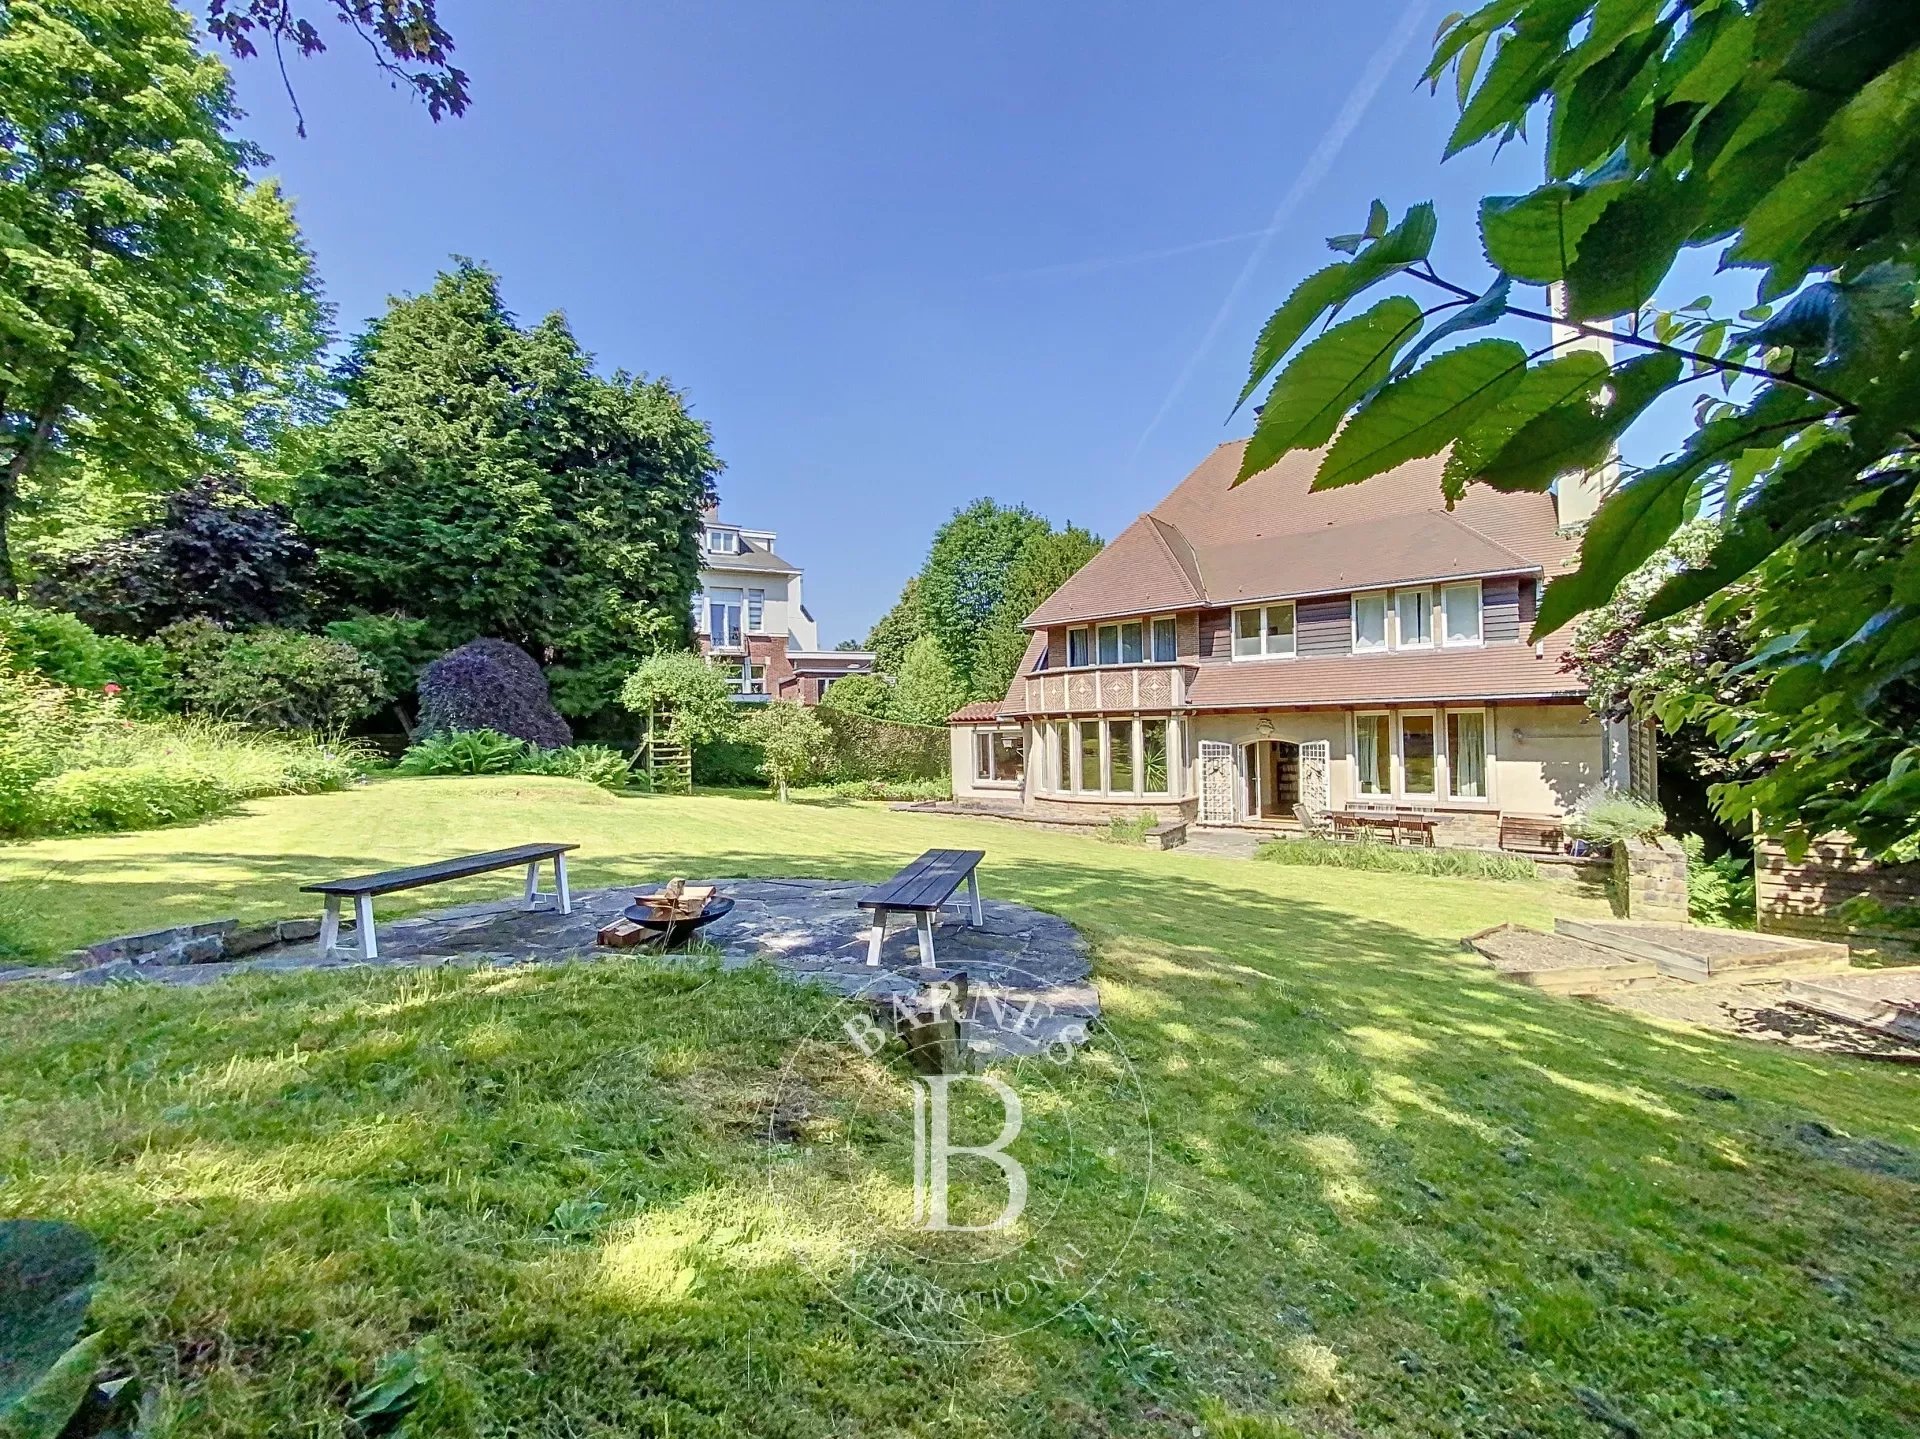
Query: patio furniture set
x=1416, y=825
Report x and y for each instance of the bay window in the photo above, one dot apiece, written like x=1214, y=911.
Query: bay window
x=1120, y=756
x=1369, y=622
x=1154, y=776
x=1063, y=756
x=1089, y=757
x=1461, y=617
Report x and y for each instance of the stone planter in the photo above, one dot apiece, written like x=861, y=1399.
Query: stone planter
x=1650, y=880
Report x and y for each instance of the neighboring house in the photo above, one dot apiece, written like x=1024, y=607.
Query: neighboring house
x=1238, y=651
x=749, y=615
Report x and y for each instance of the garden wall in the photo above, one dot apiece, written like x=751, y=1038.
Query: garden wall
x=1804, y=896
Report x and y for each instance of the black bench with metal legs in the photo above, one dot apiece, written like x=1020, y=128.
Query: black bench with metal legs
x=362, y=888
x=920, y=889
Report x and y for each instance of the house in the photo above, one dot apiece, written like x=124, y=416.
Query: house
x=1238, y=651
x=749, y=615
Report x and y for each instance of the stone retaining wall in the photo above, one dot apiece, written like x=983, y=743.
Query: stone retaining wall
x=1650, y=879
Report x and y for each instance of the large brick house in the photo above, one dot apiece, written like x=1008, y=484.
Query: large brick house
x=1238, y=651
x=749, y=616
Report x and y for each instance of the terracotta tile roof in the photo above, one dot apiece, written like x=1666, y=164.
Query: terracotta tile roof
x=1211, y=542
x=975, y=712
x=1496, y=672
x=1138, y=572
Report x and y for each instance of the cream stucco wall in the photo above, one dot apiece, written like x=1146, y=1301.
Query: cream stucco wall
x=782, y=615
x=1545, y=756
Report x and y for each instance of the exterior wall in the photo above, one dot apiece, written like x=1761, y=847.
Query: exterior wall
x=782, y=615
x=1500, y=610
x=966, y=784
x=1323, y=626
x=1545, y=756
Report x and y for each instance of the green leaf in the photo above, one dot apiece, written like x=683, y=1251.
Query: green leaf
x=1514, y=81
x=1377, y=220
x=1593, y=113
x=1484, y=311
x=1634, y=522
x=1578, y=435
x=1714, y=74
x=1536, y=236
x=1626, y=252
x=1323, y=381
x=46, y=1283
x=1846, y=47
x=1422, y=413
x=1539, y=390
x=1319, y=291
x=1468, y=68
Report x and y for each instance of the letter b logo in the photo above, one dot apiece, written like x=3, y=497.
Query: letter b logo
x=932, y=1148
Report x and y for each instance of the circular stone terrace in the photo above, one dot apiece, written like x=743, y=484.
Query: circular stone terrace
x=1027, y=971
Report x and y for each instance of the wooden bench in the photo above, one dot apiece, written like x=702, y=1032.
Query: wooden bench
x=363, y=887
x=1531, y=833
x=920, y=889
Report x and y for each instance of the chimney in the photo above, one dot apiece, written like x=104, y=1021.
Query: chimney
x=1576, y=497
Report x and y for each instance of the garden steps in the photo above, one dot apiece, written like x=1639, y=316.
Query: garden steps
x=1884, y=1000
x=1702, y=955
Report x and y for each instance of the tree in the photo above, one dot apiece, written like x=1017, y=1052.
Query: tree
x=272, y=678
x=159, y=311
x=794, y=745
x=927, y=690
x=868, y=695
x=965, y=577
x=481, y=478
x=847, y=646
x=215, y=552
x=1768, y=133
x=1046, y=562
x=689, y=696
x=896, y=630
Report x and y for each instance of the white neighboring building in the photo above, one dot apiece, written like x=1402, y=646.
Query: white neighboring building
x=749, y=609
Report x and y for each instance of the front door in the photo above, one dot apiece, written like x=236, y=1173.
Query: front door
x=1219, y=782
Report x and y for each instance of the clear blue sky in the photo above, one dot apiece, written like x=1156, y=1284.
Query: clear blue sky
x=898, y=256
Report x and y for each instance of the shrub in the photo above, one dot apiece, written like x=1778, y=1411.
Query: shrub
x=896, y=790
x=690, y=698
x=1605, y=815
x=794, y=745
x=115, y=797
x=927, y=690
x=471, y=751
x=395, y=645
x=867, y=748
x=595, y=763
x=215, y=553
x=272, y=678
x=1370, y=854
x=1719, y=890
x=732, y=763
x=1130, y=828
x=64, y=649
x=490, y=684
x=860, y=695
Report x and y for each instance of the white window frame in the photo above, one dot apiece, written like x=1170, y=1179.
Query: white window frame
x=1486, y=754
x=1140, y=755
x=1172, y=622
x=732, y=605
x=750, y=680
x=1393, y=750
x=1400, y=597
x=754, y=615
x=1086, y=647
x=1400, y=788
x=1353, y=613
x=1479, y=615
x=983, y=739
x=723, y=542
x=1265, y=652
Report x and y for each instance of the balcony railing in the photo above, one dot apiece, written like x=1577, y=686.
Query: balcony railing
x=1107, y=689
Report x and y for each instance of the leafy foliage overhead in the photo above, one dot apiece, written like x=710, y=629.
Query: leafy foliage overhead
x=1781, y=134
x=158, y=311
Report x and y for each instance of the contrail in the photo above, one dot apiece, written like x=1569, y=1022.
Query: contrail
x=1318, y=163
x=1113, y=262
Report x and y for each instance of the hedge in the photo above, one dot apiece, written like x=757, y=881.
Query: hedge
x=863, y=749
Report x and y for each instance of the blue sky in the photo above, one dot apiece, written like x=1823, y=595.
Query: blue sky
x=898, y=256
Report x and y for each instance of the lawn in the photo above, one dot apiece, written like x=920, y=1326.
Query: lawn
x=1389, y=1195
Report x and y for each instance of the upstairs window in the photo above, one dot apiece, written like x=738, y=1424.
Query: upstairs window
x=1119, y=644
x=1166, y=641
x=756, y=610
x=1414, y=612
x=1077, y=656
x=1461, y=604
x=1369, y=623
x=723, y=618
x=723, y=542
x=1263, y=632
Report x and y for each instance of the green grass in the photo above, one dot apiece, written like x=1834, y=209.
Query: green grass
x=1397, y=859
x=1390, y=1194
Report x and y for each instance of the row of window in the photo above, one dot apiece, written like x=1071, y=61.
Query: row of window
x=1378, y=620
x=1407, y=754
x=1108, y=757
x=718, y=614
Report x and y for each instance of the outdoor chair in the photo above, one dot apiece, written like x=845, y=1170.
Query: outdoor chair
x=1313, y=824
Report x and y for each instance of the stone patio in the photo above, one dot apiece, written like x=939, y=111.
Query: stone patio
x=1027, y=971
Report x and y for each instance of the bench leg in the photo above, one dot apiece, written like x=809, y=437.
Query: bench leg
x=973, y=899
x=532, y=901
x=330, y=926
x=560, y=884
x=363, y=922
x=926, y=937
x=876, y=937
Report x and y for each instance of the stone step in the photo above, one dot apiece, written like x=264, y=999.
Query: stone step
x=1884, y=1000
x=1702, y=955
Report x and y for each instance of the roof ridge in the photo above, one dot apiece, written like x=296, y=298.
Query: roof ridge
x=1481, y=534
x=1189, y=563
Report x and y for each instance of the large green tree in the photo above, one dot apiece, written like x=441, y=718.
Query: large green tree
x=1783, y=136
x=1046, y=562
x=483, y=479
x=895, y=631
x=158, y=312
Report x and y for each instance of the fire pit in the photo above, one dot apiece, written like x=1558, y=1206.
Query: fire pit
x=673, y=925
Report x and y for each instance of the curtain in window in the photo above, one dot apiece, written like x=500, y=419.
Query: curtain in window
x=1369, y=622
x=1370, y=753
x=1165, y=642
x=1467, y=755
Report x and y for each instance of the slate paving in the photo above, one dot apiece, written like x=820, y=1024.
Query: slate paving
x=1027, y=971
